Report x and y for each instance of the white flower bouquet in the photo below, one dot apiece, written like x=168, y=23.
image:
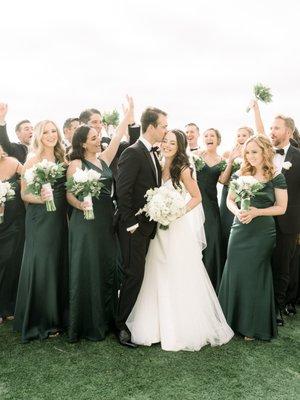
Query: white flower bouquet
x=85, y=184
x=163, y=206
x=6, y=193
x=245, y=187
x=42, y=176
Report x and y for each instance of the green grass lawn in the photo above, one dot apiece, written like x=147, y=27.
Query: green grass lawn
x=55, y=369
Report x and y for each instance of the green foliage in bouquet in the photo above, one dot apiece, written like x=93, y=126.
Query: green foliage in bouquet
x=111, y=118
x=199, y=163
x=222, y=165
x=262, y=93
x=40, y=176
x=83, y=189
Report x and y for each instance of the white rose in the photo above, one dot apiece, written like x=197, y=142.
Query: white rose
x=80, y=176
x=93, y=175
x=287, y=165
x=29, y=176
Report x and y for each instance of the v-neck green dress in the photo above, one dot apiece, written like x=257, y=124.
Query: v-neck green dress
x=93, y=265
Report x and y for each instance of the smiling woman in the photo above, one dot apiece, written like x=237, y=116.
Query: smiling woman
x=42, y=294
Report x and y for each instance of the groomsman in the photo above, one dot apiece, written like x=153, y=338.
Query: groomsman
x=192, y=135
x=287, y=160
x=23, y=131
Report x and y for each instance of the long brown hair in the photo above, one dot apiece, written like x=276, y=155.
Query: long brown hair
x=268, y=156
x=180, y=160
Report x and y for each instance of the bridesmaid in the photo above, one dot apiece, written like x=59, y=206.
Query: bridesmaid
x=234, y=156
x=42, y=293
x=93, y=243
x=215, y=170
x=11, y=237
x=246, y=291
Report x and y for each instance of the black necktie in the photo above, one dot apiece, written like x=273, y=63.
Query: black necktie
x=280, y=151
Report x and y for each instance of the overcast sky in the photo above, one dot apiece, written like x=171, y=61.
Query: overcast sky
x=198, y=60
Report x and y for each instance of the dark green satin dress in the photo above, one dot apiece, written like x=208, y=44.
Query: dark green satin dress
x=213, y=257
x=12, y=232
x=42, y=300
x=246, y=291
x=226, y=216
x=93, y=265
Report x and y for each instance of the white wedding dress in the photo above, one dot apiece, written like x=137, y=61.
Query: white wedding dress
x=177, y=305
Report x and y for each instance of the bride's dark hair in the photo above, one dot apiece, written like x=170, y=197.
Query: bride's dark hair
x=180, y=160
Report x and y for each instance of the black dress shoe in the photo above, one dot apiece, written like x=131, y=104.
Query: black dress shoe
x=279, y=319
x=125, y=339
x=290, y=310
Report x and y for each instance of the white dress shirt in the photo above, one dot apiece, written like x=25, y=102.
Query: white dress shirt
x=279, y=159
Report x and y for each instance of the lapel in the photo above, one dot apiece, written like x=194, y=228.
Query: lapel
x=288, y=157
x=149, y=158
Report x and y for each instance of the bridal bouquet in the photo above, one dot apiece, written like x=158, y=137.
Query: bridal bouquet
x=6, y=193
x=42, y=176
x=85, y=184
x=262, y=93
x=245, y=187
x=163, y=205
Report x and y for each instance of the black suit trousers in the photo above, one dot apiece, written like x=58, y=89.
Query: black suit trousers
x=281, y=264
x=134, y=247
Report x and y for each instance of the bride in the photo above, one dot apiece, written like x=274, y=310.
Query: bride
x=177, y=305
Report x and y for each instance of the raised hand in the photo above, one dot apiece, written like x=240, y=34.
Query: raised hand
x=3, y=112
x=129, y=110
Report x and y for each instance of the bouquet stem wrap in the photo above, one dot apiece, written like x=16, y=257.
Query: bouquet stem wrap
x=1, y=217
x=245, y=204
x=89, y=212
x=50, y=205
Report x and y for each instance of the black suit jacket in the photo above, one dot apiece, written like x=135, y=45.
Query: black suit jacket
x=17, y=150
x=136, y=174
x=289, y=223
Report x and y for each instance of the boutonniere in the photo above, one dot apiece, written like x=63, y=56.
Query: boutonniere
x=222, y=165
x=198, y=162
x=287, y=165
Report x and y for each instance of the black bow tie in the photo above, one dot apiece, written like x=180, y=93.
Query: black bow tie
x=154, y=149
x=280, y=151
x=195, y=148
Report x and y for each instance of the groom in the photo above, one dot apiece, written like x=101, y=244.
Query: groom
x=138, y=171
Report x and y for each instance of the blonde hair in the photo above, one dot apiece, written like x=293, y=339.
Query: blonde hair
x=37, y=146
x=267, y=154
x=250, y=131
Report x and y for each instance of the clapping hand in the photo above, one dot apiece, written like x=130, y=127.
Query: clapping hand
x=236, y=152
